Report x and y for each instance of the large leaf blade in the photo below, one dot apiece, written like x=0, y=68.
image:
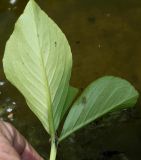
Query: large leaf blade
x=100, y=97
x=38, y=62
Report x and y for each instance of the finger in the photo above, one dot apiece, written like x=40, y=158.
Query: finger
x=23, y=148
x=7, y=152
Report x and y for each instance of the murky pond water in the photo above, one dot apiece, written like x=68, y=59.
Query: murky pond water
x=105, y=37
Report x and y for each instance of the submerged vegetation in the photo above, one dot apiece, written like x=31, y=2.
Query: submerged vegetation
x=38, y=62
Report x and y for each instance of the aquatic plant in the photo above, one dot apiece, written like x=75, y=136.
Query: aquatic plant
x=38, y=62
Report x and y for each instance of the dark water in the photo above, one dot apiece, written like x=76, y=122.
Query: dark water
x=105, y=37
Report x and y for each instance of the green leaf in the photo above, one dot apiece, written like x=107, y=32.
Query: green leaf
x=38, y=62
x=72, y=93
x=102, y=96
x=65, y=102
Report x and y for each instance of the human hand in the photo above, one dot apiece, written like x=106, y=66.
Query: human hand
x=13, y=146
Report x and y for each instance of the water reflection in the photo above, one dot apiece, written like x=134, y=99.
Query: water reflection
x=2, y=83
x=7, y=104
x=7, y=108
x=13, y=2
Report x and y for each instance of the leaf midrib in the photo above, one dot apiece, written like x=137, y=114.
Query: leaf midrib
x=47, y=89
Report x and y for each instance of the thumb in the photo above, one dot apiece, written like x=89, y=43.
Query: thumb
x=19, y=143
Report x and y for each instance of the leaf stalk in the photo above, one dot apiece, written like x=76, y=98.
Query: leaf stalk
x=53, y=151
